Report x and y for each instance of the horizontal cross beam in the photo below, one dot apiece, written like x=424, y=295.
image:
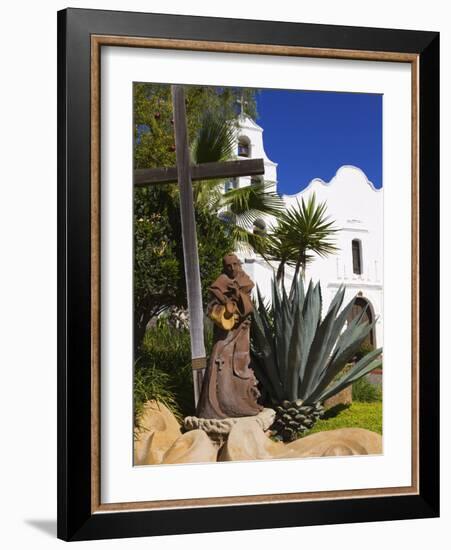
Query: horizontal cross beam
x=206, y=171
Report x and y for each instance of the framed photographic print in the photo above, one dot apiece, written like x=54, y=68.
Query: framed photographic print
x=248, y=274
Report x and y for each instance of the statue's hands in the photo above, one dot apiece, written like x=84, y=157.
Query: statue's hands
x=233, y=289
x=230, y=308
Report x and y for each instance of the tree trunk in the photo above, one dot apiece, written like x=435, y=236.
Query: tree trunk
x=298, y=267
x=142, y=319
x=280, y=272
x=139, y=330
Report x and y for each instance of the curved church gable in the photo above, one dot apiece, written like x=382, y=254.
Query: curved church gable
x=353, y=203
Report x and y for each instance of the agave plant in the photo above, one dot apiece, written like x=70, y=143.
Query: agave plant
x=299, y=357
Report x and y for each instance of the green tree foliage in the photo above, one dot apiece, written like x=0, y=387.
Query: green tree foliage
x=159, y=278
x=156, y=266
x=238, y=208
x=153, y=122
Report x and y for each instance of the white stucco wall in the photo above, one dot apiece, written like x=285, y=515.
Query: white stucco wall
x=254, y=133
x=357, y=209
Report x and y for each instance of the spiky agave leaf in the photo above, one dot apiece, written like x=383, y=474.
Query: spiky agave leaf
x=283, y=321
x=279, y=338
x=367, y=364
x=322, y=345
x=348, y=344
x=311, y=319
x=298, y=344
x=327, y=336
x=262, y=305
x=297, y=293
x=263, y=350
x=307, y=353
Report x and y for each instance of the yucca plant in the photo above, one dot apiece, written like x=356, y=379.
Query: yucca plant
x=299, y=357
x=302, y=232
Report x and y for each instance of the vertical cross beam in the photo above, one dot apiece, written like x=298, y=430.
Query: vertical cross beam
x=189, y=238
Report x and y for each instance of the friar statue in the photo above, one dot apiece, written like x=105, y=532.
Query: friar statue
x=229, y=389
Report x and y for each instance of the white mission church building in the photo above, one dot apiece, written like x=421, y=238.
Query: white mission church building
x=357, y=208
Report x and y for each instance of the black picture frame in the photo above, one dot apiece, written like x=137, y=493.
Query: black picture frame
x=76, y=518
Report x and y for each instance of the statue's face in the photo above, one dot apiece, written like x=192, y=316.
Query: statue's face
x=231, y=266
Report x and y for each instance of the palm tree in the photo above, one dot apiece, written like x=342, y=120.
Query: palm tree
x=240, y=207
x=299, y=233
x=302, y=231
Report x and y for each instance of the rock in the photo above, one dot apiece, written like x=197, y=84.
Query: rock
x=158, y=429
x=158, y=440
x=193, y=446
x=342, y=442
x=218, y=429
x=344, y=397
x=247, y=441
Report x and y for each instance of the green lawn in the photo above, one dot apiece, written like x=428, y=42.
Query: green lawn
x=357, y=415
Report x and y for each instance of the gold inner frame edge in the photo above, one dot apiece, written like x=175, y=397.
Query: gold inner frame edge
x=97, y=41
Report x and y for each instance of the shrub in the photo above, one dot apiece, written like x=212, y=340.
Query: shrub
x=364, y=349
x=152, y=383
x=163, y=370
x=365, y=392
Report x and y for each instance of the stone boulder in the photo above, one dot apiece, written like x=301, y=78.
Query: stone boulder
x=344, y=397
x=158, y=440
x=247, y=441
x=158, y=429
x=193, y=446
x=342, y=442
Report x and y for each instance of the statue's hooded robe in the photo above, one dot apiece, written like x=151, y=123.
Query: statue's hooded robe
x=229, y=387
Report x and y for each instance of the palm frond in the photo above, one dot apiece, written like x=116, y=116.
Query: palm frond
x=250, y=202
x=244, y=240
x=303, y=232
x=215, y=140
x=207, y=194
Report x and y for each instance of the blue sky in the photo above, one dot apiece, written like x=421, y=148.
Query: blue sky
x=311, y=134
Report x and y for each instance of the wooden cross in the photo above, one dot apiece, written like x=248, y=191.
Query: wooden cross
x=241, y=103
x=184, y=173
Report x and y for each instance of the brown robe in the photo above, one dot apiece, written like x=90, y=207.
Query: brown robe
x=229, y=389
